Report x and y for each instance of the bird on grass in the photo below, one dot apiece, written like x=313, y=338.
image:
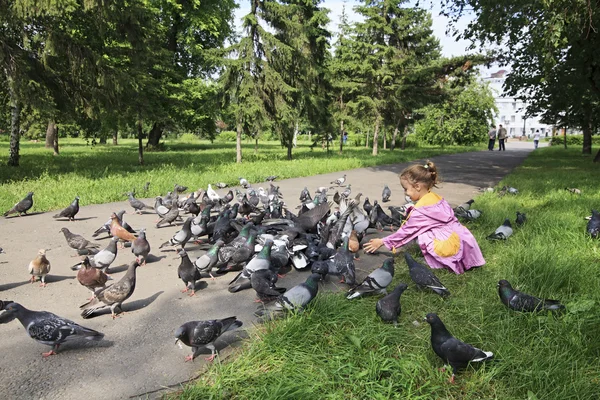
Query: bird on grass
x=469, y=215
x=423, y=277
x=464, y=207
x=573, y=190
x=388, y=308
x=385, y=195
x=114, y=295
x=71, y=211
x=521, y=219
x=520, y=301
x=47, y=328
x=202, y=334
x=39, y=267
x=453, y=351
x=503, y=232
x=376, y=282
x=593, y=225
x=22, y=206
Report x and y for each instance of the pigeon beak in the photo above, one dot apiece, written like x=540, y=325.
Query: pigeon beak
x=176, y=340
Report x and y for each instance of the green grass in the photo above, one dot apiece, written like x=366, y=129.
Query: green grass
x=340, y=349
x=103, y=173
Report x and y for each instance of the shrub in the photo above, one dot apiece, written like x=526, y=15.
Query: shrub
x=572, y=140
x=228, y=136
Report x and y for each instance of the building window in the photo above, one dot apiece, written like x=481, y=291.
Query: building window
x=502, y=118
x=514, y=106
x=512, y=118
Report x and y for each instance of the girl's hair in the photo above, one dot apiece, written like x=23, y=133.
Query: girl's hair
x=425, y=174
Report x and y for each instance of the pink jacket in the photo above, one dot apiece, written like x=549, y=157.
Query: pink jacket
x=445, y=243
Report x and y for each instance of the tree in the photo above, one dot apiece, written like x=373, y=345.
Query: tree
x=463, y=119
x=552, y=48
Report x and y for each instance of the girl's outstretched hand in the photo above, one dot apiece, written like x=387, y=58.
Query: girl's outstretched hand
x=373, y=245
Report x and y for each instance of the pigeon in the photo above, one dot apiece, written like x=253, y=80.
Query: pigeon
x=159, y=207
x=188, y=273
x=521, y=219
x=573, y=190
x=271, y=178
x=207, y=261
x=199, y=334
x=509, y=190
x=104, y=257
x=262, y=261
x=106, y=226
x=469, y=215
x=388, y=308
x=294, y=299
x=21, y=207
x=137, y=205
x=77, y=242
x=90, y=277
x=141, y=247
x=376, y=282
x=346, y=193
x=48, y=328
x=221, y=185
x=593, y=225
x=119, y=231
x=456, y=353
x=520, y=301
x=182, y=236
x=305, y=195
x=179, y=189
x=344, y=263
x=354, y=243
x=171, y=216
x=385, y=195
x=367, y=206
x=423, y=277
x=464, y=207
x=71, y=211
x=146, y=187
x=339, y=181
x=3, y=304
x=503, y=232
x=263, y=282
x=39, y=267
x=244, y=183
x=114, y=295
x=212, y=195
x=2, y=251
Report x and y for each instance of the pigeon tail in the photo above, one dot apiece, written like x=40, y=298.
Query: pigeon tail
x=496, y=236
x=230, y=324
x=553, y=305
x=488, y=356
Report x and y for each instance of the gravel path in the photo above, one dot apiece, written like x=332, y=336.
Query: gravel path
x=138, y=354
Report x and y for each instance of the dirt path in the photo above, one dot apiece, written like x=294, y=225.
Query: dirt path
x=138, y=354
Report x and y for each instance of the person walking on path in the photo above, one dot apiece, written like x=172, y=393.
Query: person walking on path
x=501, y=138
x=492, y=135
x=536, y=139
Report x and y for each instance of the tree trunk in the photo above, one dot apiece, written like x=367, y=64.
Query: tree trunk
x=367, y=142
x=50, y=133
x=140, y=145
x=394, y=136
x=256, y=143
x=103, y=138
x=155, y=135
x=341, y=136
x=384, y=139
x=15, y=124
x=55, y=143
x=404, y=137
x=115, y=137
x=376, y=136
x=587, y=136
x=238, y=143
x=565, y=136
x=597, y=158
x=289, y=150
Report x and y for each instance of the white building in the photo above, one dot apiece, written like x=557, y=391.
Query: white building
x=511, y=111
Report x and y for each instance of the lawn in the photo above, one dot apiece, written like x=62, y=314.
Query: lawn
x=102, y=173
x=339, y=349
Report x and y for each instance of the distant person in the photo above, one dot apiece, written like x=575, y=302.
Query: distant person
x=345, y=137
x=536, y=139
x=501, y=138
x=492, y=135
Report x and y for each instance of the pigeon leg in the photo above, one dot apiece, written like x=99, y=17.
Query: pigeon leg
x=32, y=279
x=212, y=277
x=189, y=358
x=211, y=357
x=451, y=380
x=51, y=352
x=280, y=276
x=193, y=293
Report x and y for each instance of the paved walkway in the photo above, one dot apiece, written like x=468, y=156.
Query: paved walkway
x=138, y=354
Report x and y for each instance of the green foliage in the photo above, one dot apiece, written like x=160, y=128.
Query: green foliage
x=228, y=136
x=101, y=174
x=462, y=120
x=572, y=140
x=339, y=349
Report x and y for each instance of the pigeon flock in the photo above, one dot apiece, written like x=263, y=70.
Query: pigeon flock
x=256, y=240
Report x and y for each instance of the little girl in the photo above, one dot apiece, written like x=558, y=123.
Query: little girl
x=445, y=243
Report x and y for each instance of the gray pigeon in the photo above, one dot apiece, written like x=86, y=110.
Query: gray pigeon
x=47, y=328
x=469, y=215
x=294, y=299
x=593, y=225
x=521, y=219
x=464, y=207
x=2, y=251
x=182, y=236
x=138, y=205
x=160, y=209
x=385, y=195
x=221, y=185
x=188, y=273
x=71, y=211
x=271, y=178
x=339, y=181
x=244, y=183
x=208, y=260
x=263, y=282
x=106, y=226
x=454, y=352
x=376, y=282
x=520, y=301
x=171, y=216
x=21, y=207
x=77, y=242
x=104, y=257
x=114, y=295
x=388, y=307
x=503, y=232
x=200, y=334
x=179, y=189
x=344, y=263
x=261, y=261
x=423, y=277
x=140, y=247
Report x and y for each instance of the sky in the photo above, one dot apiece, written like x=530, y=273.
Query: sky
x=450, y=47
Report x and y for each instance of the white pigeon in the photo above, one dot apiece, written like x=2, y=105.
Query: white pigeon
x=212, y=195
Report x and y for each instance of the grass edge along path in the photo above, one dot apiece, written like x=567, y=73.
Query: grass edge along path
x=103, y=173
x=339, y=349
